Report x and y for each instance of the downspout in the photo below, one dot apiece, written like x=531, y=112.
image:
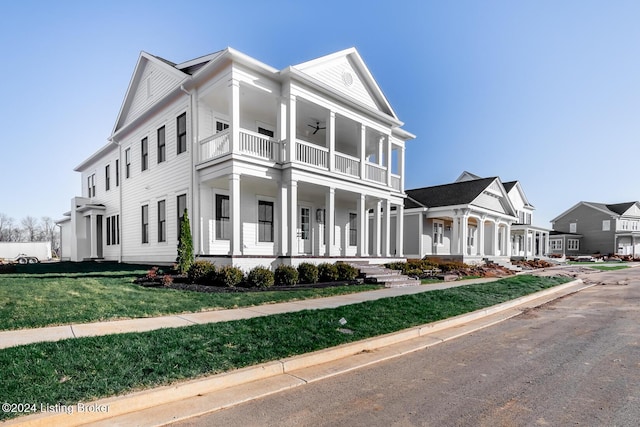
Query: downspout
x=192, y=171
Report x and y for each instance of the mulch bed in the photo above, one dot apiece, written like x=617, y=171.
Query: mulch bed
x=220, y=289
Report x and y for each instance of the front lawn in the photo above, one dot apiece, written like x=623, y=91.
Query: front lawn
x=609, y=267
x=84, y=369
x=46, y=295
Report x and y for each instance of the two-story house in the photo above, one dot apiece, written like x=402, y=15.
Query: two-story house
x=597, y=228
x=272, y=166
x=472, y=219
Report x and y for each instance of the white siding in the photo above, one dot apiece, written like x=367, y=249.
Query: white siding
x=489, y=202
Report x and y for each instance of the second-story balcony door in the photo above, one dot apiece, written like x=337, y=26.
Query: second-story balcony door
x=304, y=232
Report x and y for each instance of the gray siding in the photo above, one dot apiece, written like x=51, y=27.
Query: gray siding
x=589, y=225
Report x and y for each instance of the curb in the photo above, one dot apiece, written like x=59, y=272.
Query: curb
x=107, y=408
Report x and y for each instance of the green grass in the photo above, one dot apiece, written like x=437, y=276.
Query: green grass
x=42, y=295
x=88, y=368
x=609, y=267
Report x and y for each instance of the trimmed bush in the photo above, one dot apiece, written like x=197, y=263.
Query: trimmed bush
x=308, y=273
x=327, y=272
x=201, y=272
x=229, y=276
x=260, y=277
x=346, y=271
x=286, y=275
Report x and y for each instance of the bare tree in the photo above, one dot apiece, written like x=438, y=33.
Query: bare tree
x=49, y=232
x=30, y=228
x=6, y=228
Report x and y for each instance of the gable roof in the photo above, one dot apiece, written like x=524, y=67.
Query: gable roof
x=616, y=209
x=621, y=208
x=457, y=193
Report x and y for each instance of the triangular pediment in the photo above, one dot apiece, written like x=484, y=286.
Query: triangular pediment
x=346, y=72
x=152, y=79
x=634, y=210
x=495, y=198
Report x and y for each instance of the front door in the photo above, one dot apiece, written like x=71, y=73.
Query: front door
x=304, y=233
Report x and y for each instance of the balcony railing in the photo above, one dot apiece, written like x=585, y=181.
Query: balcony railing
x=312, y=154
x=376, y=173
x=395, y=182
x=347, y=164
x=252, y=144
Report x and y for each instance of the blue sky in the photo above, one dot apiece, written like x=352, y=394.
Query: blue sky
x=544, y=92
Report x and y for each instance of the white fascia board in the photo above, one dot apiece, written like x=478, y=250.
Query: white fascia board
x=230, y=54
x=95, y=156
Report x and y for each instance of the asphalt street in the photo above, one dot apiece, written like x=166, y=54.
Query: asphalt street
x=574, y=361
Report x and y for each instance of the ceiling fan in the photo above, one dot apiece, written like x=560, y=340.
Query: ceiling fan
x=316, y=127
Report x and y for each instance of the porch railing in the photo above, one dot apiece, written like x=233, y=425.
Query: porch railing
x=395, y=182
x=347, y=164
x=259, y=145
x=376, y=173
x=312, y=154
x=215, y=145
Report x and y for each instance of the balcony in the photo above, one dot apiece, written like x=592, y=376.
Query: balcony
x=251, y=144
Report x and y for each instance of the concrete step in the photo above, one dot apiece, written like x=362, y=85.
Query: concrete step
x=378, y=274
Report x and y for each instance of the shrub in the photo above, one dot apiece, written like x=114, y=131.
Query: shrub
x=229, y=276
x=286, y=275
x=260, y=277
x=167, y=280
x=327, y=272
x=201, y=272
x=185, y=245
x=346, y=271
x=308, y=273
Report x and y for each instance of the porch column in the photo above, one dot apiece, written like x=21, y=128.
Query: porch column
x=93, y=232
x=507, y=240
x=526, y=243
x=546, y=244
x=293, y=218
x=387, y=228
x=281, y=127
x=387, y=140
x=331, y=139
x=464, y=233
x=362, y=218
x=363, y=152
x=235, y=116
x=291, y=128
x=401, y=167
x=421, y=235
x=399, y=230
x=496, y=230
x=481, y=236
x=236, y=215
x=330, y=221
x=455, y=233
x=284, y=226
x=377, y=220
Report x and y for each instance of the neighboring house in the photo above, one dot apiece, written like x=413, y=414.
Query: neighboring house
x=472, y=219
x=597, y=228
x=273, y=166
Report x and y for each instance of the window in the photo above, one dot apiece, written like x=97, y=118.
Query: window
x=573, y=244
x=181, y=202
x=528, y=218
x=223, y=217
x=438, y=233
x=117, y=172
x=182, y=133
x=353, y=229
x=471, y=232
x=161, y=145
x=127, y=163
x=91, y=185
x=265, y=221
x=521, y=217
x=555, y=244
x=144, y=154
x=573, y=227
x=145, y=224
x=220, y=126
x=107, y=177
x=305, y=223
x=162, y=222
x=606, y=225
x=113, y=230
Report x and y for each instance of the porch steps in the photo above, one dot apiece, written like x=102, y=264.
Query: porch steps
x=504, y=264
x=373, y=273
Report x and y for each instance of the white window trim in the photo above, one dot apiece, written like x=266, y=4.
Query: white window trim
x=555, y=244
x=570, y=244
x=606, y=225
x=259, y=199
x=221, y=193
x=573, y=227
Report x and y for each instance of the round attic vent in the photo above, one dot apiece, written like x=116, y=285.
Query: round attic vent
x=347, y=78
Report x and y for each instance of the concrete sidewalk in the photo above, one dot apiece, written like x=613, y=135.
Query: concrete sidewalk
x=168, y=404
x=54, y=333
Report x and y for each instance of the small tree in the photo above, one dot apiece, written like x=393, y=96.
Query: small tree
x=185, y=245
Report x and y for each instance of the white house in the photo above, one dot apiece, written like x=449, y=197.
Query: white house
x=472, y=219
x=273, y=166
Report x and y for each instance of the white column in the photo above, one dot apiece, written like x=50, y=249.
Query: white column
x=399, y=230
x=421, y=235
x=387, y=228
x=281, y=128
x=291, y=129
x=546, y=244
x=481, y=236
x=525, y=241
x=293, y=218
x=284, y=225
x=507, y=240
x=331, y=139
x=236, y=215
x=453, y=249
x=235, y=116
x=464, y=232
x=495, y=237
x=401, y=167
x=377, y=234
x=94, y=236
x=362, y=218
x=330, y=220
x=363, y=152
x=387, y=140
